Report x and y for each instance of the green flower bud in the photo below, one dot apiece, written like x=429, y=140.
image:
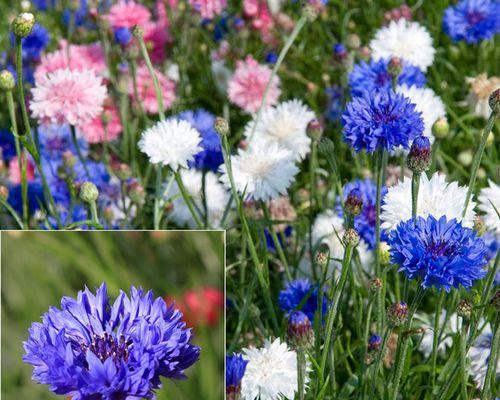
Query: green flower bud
x=351, y=237
x=322, y=255
x=23, y=24
x=221, y=126
x=441, y=128
x=88, y=192
x=464, y=309
x=7, y=81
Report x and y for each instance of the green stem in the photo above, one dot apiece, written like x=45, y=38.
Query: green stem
x=435, y=338
x=187, y=199
x=78, y=150
x=463, y=359
x=301, y=370
x=415, y=184
x=312, y=187
x=477, y=159
x=492, y=362
x=93, y=212
x=20, y=87
x=380, y=354
x=12, y=212
x=158, y=192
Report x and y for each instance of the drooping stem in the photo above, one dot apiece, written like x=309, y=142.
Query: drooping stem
x=477, y=159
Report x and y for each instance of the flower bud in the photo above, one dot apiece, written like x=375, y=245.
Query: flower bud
x=136, y=192
x=395, y=67
x=441, y=128
x=351, y=237
x=69, y=159
x=384, y=253
x=375, y=284
x=465, y=157
x=121, y=170
x=314, y=129
x=322, y=255
x=419, y=158
x=4, y=192
x=7, y=81
x=221, y=126
x=374, y=343
x=353, y=41
x=88, y=192
x=300, y=333
x=494, y=101
x=353, y=204
x=397, y=313
x=310, y=12
x=23, y=24
x=137, y=31
x=123, y=36
x=369, y=359
x=340, y=52
x=464, y=309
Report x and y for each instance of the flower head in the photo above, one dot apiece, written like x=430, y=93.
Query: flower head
x=285, y=124
x=147, y=93
x=271, y=372
x=127, y=14
x=375, y=75
x=440, y=252
x=409, y=41
x=295, y=292
x=436, y=197
x=210, y=158
x=173, y=142
x=208, y=9
x=381, y=120
x=472, y=20
x=91, y=348
x=66, y=96
x=489, y=204
x=248, y=83
x=263, y=171
x=235, y=369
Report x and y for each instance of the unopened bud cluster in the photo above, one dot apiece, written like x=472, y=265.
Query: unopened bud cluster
x=300, y=333
x=397, y=313
x=322, y=255
x=464, y=309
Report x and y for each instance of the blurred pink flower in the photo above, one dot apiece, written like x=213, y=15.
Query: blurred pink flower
x=94, y=130
x=127, y=14
x=208, y=8
x=15, y=172
x=82, y=58
x=156, y=36
x=248, y=83
x=65, y=96
x=260, y=17
x=147, y=92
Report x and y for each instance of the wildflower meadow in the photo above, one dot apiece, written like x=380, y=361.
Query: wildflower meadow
x=349, y=149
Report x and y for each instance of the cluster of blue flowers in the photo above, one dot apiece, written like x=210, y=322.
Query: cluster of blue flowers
x=441, y=253
x=472, y=20
x=302, y=295
x=94, y=349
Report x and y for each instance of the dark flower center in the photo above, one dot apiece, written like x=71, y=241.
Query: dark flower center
x=474, y=17
x=441, y=248
x=105, y=346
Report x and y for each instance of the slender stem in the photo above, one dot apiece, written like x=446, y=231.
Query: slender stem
x=415, y=184
x=187, y=199
x=93, y=212
x=312, y=187
x=79, y=154
x=376, y=367
x=296, y=30
x=477, y=159
x=435, y=337
x=463, y=359
x=158, y=198
x=156, y=84
x=301, y=370
x=12, y=212
x=492, y=362
x=20, y=86
x=335, y=295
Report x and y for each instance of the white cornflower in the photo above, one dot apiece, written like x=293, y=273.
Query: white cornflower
x=409, y=41
x=263, y=171
x=479, y=93
x=216, y=198
x=435, y=197
x=285, y=124
x=172, y=142
x=428, y=103
x=479, y=355
x=452, y=326
x=328, y=228
x=489, y=200
x=271, y=372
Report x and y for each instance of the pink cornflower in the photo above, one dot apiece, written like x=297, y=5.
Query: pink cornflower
x=65, y=96
x=260, y=17
x=156, y=36
x=82, y=58
x=94, y=131
x=248, y=83
x=127, y=14
x=208, y=8
x=147, y=92
x=15, y=172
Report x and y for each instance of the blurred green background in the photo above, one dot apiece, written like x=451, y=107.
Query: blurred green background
x=38, y=268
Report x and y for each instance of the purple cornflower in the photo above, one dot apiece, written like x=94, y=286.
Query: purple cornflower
x=92, y=349
x=210, y=158
x=235, y=369
x=365, y=222
x=472, y=20
x=294, y=294
x=381, y=120
x=441, y=253
x=375, y=75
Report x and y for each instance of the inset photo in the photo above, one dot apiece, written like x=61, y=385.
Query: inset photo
x=112, y=315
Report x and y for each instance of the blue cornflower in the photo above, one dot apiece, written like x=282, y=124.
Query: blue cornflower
x=34, y=43
x=441, y=253
x=94, y=349
x=35, y=197
x=235, y=369
x=334, y=106
x=294, y=293
x=123, y=36
x=210, y=158
x=492, y=242
x=365, y=222
x=375, y=75
x=54, y=140
x=472, y=20
x=381, y=119
x=7, y=145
